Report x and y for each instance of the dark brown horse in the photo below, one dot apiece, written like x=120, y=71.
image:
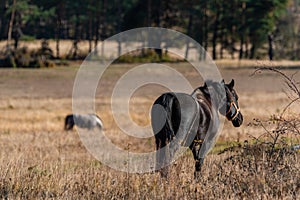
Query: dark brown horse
x=192, y=120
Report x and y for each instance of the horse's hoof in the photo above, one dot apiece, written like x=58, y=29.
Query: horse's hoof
x=197, y=176
x=164, y=173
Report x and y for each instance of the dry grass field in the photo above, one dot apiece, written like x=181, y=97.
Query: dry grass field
x=39, y=160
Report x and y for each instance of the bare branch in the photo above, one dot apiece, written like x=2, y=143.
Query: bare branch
x=290, y=82
x=287, y=106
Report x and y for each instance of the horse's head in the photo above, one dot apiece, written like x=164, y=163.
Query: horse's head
x=69, y=122
x=231, y=105
x=226, y=104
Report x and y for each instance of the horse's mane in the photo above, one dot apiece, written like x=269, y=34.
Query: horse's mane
x=212, y=88
x=217, y=86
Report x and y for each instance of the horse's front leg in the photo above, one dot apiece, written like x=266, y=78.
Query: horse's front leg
x=198, y=165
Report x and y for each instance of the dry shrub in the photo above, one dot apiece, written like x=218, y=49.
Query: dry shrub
x=264, y=167
x=257, y=170
x=267, y=166
x=23, y=57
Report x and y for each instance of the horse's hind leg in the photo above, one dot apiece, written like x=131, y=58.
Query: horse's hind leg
x=195, y=147
x=162, y=158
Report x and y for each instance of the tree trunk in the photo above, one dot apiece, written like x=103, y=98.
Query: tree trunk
x=2, y=19
x=189, y=30
x=205, y=31
x=76, y=37
x=247, y=48
x=215, y=36
x=232, y=42
x=11, y=24
x=149, y=13
x=270, y=52
x=90, y=31
x=103, y=30
x=242, y=31
x=241, y=47
x=252, y=51
x=222, y=43
x=120, y=3
x=97, y=27
x=57, y=48
x=157, y=21
x=58, y=30
x=17, y=30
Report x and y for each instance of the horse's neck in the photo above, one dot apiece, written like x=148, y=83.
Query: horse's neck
x=210, y=97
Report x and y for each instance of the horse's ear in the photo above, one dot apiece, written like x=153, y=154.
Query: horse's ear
x=231, y=84
x=223, y=81
x=205, y=85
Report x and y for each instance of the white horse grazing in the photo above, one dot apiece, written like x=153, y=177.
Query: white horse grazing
x=88, y=121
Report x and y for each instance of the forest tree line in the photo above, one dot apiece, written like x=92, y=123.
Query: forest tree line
x=250, y=29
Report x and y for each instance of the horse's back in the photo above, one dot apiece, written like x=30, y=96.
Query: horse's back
x=189, y=122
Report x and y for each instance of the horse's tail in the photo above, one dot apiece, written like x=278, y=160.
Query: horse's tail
x=169, y=100
x=161, y=117
x=161, y=120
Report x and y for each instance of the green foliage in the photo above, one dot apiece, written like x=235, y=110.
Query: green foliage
x=261, y=19
x=145, y=56
x=27, y=11
x=27, y=38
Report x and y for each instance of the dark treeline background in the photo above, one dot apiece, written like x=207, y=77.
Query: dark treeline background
x=250, y=29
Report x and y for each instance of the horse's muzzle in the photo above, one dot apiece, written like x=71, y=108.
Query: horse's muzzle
x=237, y=122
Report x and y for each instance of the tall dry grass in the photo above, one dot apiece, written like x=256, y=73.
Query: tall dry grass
x=39, y=160
x=60, y=168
